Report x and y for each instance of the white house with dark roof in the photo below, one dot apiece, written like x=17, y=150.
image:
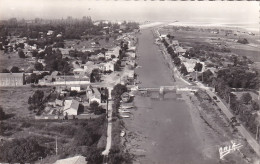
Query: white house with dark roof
x=93, y=94
x=71, y=107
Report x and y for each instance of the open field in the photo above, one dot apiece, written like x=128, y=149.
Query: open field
x=188, y=38
x=14, y=100
x=14, y=60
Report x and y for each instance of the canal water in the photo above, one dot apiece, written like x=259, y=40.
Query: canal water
x=167, y=133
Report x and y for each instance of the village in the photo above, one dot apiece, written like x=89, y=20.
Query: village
x=83, y=82
x=71, y=79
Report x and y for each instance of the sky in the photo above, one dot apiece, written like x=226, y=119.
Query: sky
x=222, y=11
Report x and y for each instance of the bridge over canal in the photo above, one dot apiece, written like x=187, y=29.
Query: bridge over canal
x=166, y=89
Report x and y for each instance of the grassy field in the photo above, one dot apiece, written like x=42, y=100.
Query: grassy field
x=14, y=60
x=188, y=38
x=14, y=100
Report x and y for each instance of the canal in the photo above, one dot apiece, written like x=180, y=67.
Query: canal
x=165, y=131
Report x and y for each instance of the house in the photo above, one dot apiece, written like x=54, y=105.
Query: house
x=175, y=43
x=179, y=50
x=132, y=55
x=163, y=36
x=75, y=88
x=50, y=32
x=59, y=35
x=59, y=102
x=131, y=74
x=100, y=55
x=93, y=94
x=12, y=79
x=79, y=72
x=72, y=160
x=71, y=107
x=132, y=49
x=109, y=66
x=108, y=55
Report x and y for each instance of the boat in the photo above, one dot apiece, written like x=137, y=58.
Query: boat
x=124, y=111
x=122, y=134
x=126, y=107
x=124, y=116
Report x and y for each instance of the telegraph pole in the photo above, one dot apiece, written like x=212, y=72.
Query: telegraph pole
x=107, y=106
x=56, y=147
x=229, y=100
x=257, y=131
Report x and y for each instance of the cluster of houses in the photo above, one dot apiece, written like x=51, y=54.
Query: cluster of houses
x=69, y=106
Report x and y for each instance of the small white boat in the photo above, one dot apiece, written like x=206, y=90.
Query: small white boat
x=124, y=111
x=125, y=116
x=126, y=107
x=122, y=134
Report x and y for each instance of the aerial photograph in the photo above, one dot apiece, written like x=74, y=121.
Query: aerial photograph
x=129, y=82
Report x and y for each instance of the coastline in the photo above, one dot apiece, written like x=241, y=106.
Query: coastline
x=249, y=27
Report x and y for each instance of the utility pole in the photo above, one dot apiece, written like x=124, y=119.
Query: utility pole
x=229, y=100
x=257, y=131
x=56, y=147
x=107, y=106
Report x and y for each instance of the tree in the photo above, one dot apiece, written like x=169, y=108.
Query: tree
x=5, y=71
x=246, y=98
x=93, y=106
x=21, y=45
x=118, y=65
x=95, y=75
x=38, y=66
x=2, y=114
x=207, y=77
x=94, y=156
x=177, y=61
x=183, y=70
x=21, y=150
x=34, y=53
x=36, y=98
x=198, y=67
x=85, y=137
x=242, y=41
x=21, y=54
x=254, y=106
x=73, y=93
x=15, y=69
x=118, y=90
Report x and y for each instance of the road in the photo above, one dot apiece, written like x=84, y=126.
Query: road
x=109, y=130
x=252, y=142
